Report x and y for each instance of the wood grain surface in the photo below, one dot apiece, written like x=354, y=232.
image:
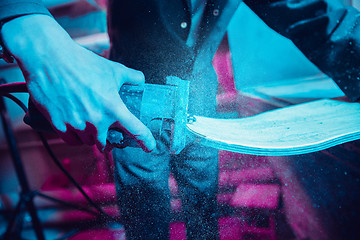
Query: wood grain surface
x=298, y=129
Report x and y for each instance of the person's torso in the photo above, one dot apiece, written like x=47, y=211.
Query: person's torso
x=158, y=38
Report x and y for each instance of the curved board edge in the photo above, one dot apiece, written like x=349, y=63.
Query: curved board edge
x=325, y=143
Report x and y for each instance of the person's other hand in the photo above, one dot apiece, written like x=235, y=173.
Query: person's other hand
x=75, y=89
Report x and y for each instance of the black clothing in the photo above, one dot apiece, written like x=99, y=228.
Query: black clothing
x=13, y=8
x=328, y=37
x=150, y=36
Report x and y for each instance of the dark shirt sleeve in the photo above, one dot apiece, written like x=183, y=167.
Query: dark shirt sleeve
x=327, y=36
x=13, y=8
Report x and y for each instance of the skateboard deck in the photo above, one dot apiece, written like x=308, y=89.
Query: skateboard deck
x=298, y=129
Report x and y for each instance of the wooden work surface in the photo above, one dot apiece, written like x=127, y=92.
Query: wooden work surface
x=293, y=130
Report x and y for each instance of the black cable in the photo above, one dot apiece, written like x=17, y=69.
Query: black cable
x=56, y=161
x=69, y=204
x=16, y=100
x=18, y=87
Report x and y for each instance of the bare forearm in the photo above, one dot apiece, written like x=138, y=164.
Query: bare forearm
x=33, y=37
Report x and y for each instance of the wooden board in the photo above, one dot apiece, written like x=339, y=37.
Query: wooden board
x=298, y=129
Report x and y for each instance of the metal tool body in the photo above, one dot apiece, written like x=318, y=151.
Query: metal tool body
x=159, y=107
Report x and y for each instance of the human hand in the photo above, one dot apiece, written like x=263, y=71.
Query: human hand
x=75, y=89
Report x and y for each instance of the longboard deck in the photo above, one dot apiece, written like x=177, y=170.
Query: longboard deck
x=298, y=129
